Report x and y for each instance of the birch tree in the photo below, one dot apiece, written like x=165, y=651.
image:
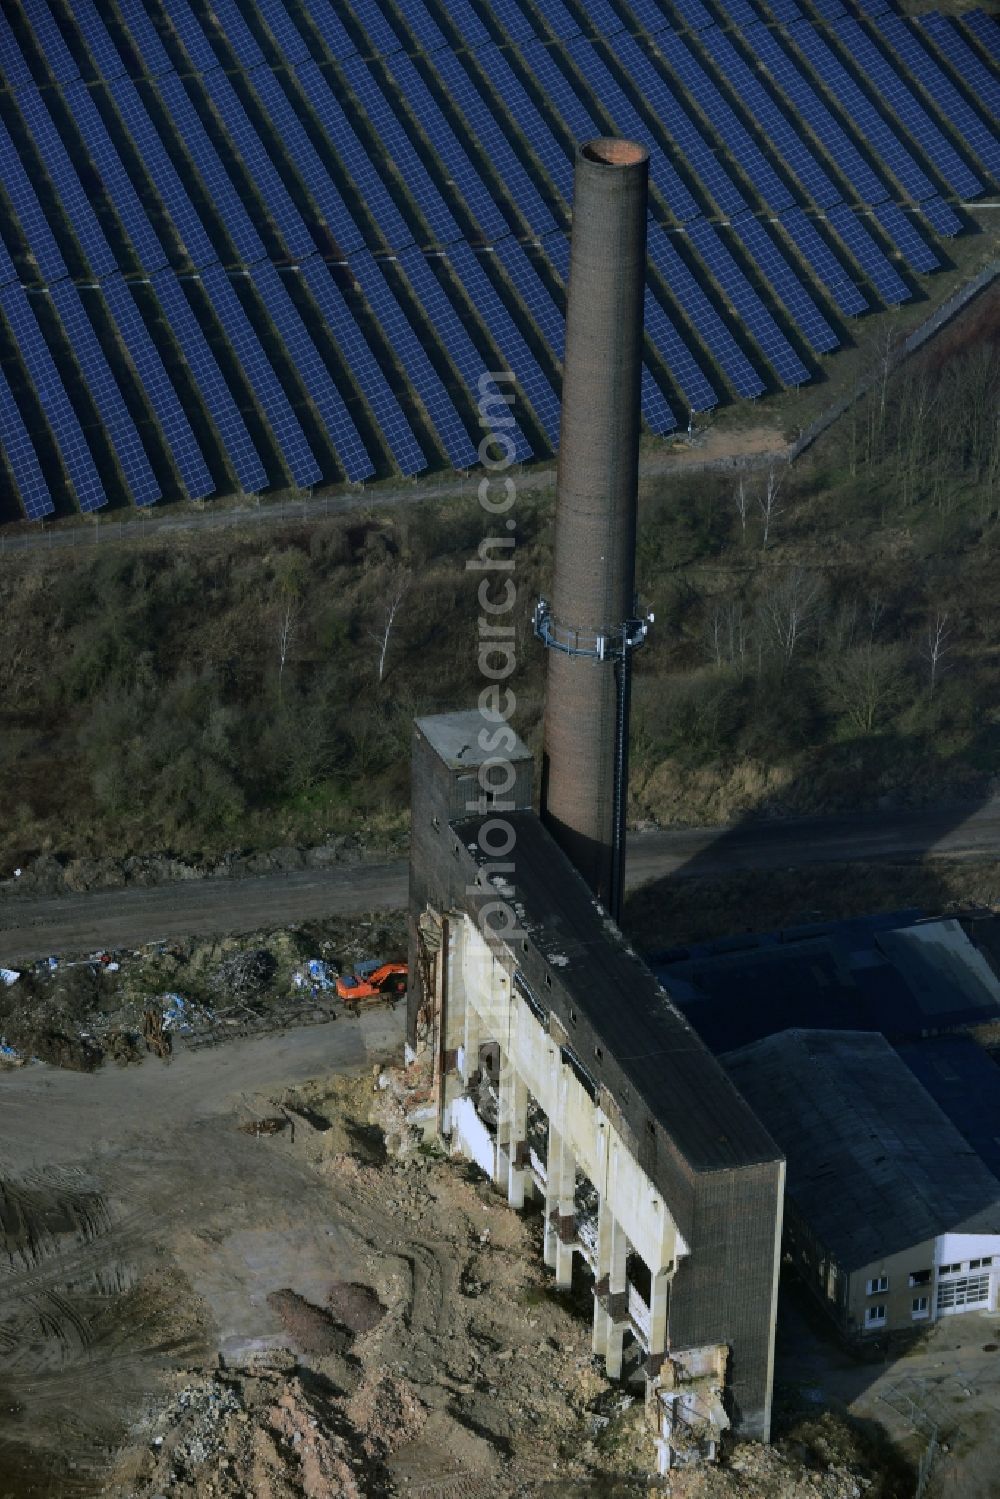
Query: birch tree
x=399, y=585
x=936, y=645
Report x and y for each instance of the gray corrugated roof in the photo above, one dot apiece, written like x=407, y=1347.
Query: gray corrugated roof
x=874, y=1165
x=682, y=1084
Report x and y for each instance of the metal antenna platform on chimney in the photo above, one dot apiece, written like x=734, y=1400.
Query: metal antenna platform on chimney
x=607, y=645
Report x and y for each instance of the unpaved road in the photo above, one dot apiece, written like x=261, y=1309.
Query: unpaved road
x=31, y=928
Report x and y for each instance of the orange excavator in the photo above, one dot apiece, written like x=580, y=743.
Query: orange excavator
x=371, y=982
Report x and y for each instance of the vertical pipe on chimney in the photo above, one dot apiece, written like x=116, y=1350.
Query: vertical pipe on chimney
x=584, y=768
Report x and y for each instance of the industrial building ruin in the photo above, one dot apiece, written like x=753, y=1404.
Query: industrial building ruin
x=552, y=1056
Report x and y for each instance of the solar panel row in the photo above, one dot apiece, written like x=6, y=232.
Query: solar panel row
x=462, y=175
x=308, y=163
x=683, y=367
x=694, y=13
x=227, y=21
x=337, y=421
x=192, y=36
x=340, y=133
x=288, y=39
x=103, y=52
x=825, y=266
x=71, y=193
x=51, y=394
x=254, y=155
x=964, y=61
x=200, y=148
x=363, y=366
x=212, y=387
x=524, y=276
x=104, y=392
x=772, y=264
x=508, y=338
x=892, y=92
x=509, y=15
x=889, y=285
x=381, y=36
x=60, y=61
x=336, y=38
x=409, y=350
x=7, y=271
x=551, y=153
x=941, y=217
x=264, y=383
x=151, y=53
x=113, y=176
x=162, y=172
x=467, y=23
x=428, y=34
x=915, y=251
x=35, y=226
x=494, y=140
x=157, y=388
x=13, y=67
x=19, y=451
x=950, y=103
x=558, y=21
x=394, y=139
x=773, y=343
x=985, y=30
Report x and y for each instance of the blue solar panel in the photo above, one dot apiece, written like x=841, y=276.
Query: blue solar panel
x=941, y=217
x=655, y=408
x=61, y=61
x=383, y=39
x=883, y=141
x=815, y=113
x=552, y=154
x=290, y=223
x=783, y=10
x=337, y=421
x=494, y=139
x=21, y=192
x=203, y=154
x=773, y=343
x=648, y=14
x=663, y=99
x=775, y=268
x=213, y=389
x=157, y=389
x=330, y=27
x=985, y=29
x=451, y=330
x=468, y=25
x=105, y=394
x=663, y=174
x=116, y=182
x=430, y=37
x=286, y=34
x=231, y=25
x=873, y=7
x=684, y=368
x=51, y=395
x=13, y=67
x=915, y=250
x=828, y=9
x=192, y=36
x=739, y=12
x=308, y=162
x=508, y=338
x=408, y=348
x=98, y=39
x=59, y=167
x=893, y=94
x=16, y=446
x=558, y=21
x=710, y=328
x=367, y=182
x=162, y=172
x=462, y=174
x=400, y=150
x=694, y=14
x=142, y=32
x=364, y=367
x=949, y=102
x=263, y=381
x=784, y=136
x=823, y=263
x=518, y=26
x=7, y=271
x=890, y=286
x=547, y=316
x=975, y=76
x=559, y=94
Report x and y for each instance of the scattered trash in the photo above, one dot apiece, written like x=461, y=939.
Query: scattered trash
x=53, y=964
x=9, y=976
x=18, y=873
x=8, y=1053
x=319, y=972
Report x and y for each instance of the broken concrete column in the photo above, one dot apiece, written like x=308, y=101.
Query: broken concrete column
x=617, y=1300
x=659, y=1304
x=560, y=1208
x=517, y=1146
x=470, y=1045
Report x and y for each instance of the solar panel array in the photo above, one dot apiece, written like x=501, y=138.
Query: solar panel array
x=304, y=161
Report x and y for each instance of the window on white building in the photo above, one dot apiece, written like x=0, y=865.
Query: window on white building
x=986, y=1259
x=874, y=1316
x=970, y=1290
x=878, y=1286
x=951, y=1269
x=920, y=1306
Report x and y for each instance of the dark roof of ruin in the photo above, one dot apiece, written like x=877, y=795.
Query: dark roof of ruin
x=596, y=972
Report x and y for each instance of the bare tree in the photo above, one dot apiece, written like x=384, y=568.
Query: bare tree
x=743, y=498
x=789, y=606
x=397, y=590
x=864, y=684
x=936, y=645
x=288, y=613
x=768, y=501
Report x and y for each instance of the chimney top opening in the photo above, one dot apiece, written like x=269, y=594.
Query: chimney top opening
x=610, y=151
